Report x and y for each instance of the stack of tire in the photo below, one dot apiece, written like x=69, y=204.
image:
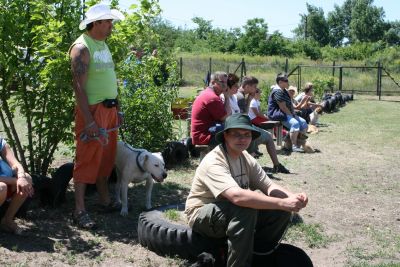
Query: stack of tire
x=331, y=102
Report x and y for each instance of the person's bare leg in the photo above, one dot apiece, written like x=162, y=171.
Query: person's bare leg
x=80, y=189
x=3, y=193
x=272, y=151
x=102, y=189
x=8, y=219
x=293, y=137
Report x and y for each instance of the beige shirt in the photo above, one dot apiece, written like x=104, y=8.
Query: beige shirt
x=217, y=173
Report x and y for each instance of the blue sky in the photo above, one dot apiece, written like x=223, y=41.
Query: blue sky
x=226, y=14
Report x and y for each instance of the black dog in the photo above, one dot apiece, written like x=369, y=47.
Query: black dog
x=204, y=260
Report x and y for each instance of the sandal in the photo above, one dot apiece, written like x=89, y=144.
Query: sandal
x=11, y=230
x=83, y=220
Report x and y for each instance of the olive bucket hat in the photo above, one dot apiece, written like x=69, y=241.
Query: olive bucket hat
x=237, y=121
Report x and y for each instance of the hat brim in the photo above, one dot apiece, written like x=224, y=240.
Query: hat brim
x=254, y=132
x=114, y=15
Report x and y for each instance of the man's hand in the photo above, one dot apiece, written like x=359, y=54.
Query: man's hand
x=295, y=202
x=24, y=185
x=92, y=130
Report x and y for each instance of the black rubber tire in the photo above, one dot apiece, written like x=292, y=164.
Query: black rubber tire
x=60, y=181
x=172, y=239
x=284, y=256
x=175, y=153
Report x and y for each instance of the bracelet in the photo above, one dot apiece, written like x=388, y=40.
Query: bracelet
x=90, y=125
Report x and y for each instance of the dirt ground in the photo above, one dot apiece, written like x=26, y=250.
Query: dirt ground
x=353, y=186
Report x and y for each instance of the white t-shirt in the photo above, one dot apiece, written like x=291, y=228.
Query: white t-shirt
x=254, y=104
x=233, y=103
x=299, y=97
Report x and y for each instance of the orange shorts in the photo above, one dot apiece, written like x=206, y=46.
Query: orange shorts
x=93, y=159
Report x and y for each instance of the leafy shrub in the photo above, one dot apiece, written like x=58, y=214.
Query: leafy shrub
x=147, y=103
x=321, y=85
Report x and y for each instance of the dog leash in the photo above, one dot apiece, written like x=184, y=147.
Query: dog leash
x=103, y=135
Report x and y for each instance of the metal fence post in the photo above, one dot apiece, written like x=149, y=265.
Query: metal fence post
x=180, y=68
x=379, y=81
x=340, y=78
x=209, y=65
x=286, y=65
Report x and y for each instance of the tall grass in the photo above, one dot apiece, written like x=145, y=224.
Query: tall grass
x=265, y=68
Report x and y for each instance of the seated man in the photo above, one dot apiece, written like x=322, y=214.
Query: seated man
x=208, y=110
x=223, y=202
x=280, y=108
x=245, y=94
x=15, y=185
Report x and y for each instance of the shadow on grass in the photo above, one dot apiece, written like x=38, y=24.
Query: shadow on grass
x=51, y=229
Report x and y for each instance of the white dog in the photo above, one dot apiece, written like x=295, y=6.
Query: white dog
x=136, y=165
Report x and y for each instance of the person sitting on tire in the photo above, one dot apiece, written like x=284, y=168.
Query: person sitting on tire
x=15, y=187
x=223, y=202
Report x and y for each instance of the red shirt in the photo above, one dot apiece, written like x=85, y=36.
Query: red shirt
x=207, y=110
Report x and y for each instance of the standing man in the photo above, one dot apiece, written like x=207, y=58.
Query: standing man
x=96, y=111
x=223, y=202
x=208, y=110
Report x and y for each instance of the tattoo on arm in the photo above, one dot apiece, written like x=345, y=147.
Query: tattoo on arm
x=79, y=66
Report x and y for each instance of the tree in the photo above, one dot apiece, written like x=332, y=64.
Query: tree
x=392, y=35
x=204, y=27
x=315, y=25
x=34, y=76
x=367, y=24
x=338, y=22
x=254, y=39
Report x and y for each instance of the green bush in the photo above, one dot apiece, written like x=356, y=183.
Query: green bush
x=321, y=85
x=147, y=103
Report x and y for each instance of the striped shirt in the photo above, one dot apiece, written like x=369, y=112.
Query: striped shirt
x=283, y=96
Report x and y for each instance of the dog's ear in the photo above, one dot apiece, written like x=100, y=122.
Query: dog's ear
x=143, y=158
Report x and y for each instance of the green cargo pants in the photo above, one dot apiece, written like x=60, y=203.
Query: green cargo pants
x=246, y=229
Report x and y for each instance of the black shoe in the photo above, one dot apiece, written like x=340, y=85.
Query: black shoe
x=280, y=168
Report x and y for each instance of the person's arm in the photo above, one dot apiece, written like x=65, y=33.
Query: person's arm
x=304, y=102
x=258, y=113
x=279, y=199
x=79, y=66
x=284, y=108
x=23, y=180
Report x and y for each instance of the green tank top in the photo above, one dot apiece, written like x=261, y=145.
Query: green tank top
x=102, y=81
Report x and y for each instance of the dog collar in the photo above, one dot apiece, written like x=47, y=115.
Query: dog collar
x=138, y=163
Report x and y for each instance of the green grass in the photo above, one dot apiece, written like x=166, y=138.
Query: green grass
x=312, y=234
x=172, y=215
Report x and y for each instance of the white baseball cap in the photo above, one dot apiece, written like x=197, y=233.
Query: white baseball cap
x=100, y=12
